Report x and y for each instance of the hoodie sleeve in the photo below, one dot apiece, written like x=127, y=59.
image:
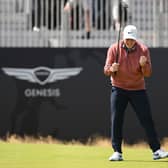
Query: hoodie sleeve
x=109, y=61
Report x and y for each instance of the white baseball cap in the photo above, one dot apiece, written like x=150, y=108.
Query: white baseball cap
x=130, y=32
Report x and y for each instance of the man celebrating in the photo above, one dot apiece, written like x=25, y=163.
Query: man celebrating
x=127, y=74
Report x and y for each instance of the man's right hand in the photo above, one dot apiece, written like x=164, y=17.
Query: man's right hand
x=114, y=67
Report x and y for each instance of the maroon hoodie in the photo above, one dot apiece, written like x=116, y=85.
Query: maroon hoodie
x=130, y=75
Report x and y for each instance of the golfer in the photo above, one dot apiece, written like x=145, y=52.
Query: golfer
x=128, y=86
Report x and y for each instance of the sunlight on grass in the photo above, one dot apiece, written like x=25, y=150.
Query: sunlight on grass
x=48, y=153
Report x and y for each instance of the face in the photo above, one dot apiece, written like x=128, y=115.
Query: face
x=129, y=43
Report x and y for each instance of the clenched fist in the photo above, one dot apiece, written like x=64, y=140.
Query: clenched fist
x=142, y=61
x=114, y=67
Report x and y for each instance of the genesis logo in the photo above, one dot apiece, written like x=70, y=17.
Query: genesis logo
x=42, y=75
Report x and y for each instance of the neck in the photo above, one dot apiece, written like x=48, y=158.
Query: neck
x=129, y=49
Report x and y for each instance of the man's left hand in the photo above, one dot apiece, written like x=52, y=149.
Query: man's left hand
x=142, y=61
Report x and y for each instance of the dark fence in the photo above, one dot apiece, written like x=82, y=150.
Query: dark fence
x=64, y=93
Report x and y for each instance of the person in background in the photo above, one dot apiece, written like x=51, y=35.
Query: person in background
x=120, y=13
x=45, y=14
x=127, y=75
x=87, y=6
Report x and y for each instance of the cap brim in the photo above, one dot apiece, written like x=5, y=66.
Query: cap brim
x=130, y=37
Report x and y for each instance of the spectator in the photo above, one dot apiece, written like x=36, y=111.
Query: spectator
x=87, y=6
x=44, y=14
x=19, y=6
x=120, y=13
x=101, y=14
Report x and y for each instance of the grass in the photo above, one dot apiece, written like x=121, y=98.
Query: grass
x=17, y=154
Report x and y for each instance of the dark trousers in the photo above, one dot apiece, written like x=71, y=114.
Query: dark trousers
x=140, y=103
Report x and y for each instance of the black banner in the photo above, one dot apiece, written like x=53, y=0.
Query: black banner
x=57, y=92
x=64, y=93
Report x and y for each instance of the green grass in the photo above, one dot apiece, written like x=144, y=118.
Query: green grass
x=42, y=155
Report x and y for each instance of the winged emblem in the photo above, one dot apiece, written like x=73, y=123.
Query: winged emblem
x=42, y=75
